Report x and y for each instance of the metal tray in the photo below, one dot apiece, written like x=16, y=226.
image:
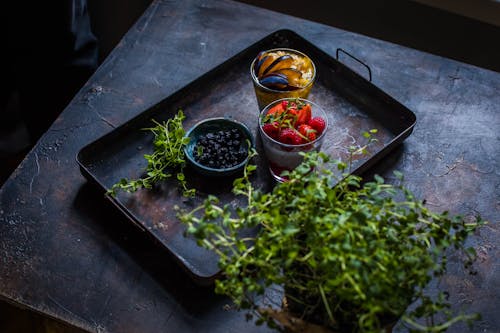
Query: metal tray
x=354, y=105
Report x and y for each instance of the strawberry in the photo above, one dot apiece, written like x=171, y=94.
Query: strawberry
x=318, y=124
x=272, y=129
x=284, y=104
x=304, y=115
x=277, y=109
x=307, y=132
x=291, y=116
x=290, y=136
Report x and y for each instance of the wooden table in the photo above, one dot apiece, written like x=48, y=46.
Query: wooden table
x=66, y=253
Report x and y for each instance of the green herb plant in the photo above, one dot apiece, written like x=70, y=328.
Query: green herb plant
x=341, y=255
x=166, y=160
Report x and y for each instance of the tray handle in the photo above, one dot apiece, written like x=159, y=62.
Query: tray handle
x=339, y=50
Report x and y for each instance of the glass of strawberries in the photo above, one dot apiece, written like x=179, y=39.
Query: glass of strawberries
x=288, y=127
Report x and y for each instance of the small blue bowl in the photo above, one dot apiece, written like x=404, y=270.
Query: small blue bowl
x=213, y=125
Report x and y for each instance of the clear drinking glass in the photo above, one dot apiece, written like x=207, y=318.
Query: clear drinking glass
x=280, y=73
x=286, y=157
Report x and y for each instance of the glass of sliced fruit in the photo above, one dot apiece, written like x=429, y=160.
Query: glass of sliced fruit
x=287, y=127
x=280, y=73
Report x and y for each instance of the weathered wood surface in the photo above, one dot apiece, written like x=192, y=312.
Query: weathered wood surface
x=65, y=252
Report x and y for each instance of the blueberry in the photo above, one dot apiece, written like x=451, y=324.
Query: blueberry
x=220, y=149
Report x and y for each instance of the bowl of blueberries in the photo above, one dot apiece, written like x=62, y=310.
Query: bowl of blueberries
x=218, y=146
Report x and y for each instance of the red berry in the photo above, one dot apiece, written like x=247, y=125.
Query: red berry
x=284, y=104
x=290, y=117
x=275, y=110
x=308, y=132
x=304, y=115
x=290, y=136
x=318, y=124
x=272, y=129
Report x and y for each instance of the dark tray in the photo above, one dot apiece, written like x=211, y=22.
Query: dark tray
x=354, y=105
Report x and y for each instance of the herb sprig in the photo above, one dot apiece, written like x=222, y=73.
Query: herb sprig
x=166, y=160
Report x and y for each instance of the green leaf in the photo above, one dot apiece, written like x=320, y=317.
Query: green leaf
x=378, y=179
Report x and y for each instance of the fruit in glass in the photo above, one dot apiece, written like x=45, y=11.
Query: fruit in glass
x=281, y=73
x=288, y=127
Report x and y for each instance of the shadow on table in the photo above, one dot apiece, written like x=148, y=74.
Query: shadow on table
x=146, y=252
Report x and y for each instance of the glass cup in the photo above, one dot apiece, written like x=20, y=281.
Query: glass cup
x=286, y=157
x=281, y=73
